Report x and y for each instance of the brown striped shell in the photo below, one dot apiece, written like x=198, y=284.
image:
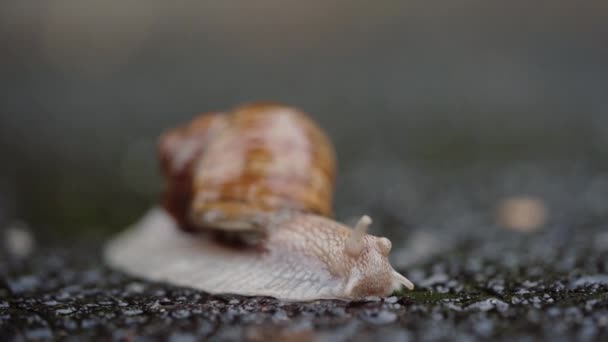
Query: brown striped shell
x=228, y=170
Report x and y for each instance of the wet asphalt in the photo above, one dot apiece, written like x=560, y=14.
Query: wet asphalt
x=475, y=277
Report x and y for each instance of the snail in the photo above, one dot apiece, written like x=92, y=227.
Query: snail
x=247, y=210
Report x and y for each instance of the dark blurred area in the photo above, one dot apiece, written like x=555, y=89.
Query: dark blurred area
x=87, y=87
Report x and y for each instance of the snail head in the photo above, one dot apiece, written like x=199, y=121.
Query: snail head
x=370, y=271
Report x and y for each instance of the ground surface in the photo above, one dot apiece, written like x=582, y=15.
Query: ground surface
x=475, y=279
x=412, y=93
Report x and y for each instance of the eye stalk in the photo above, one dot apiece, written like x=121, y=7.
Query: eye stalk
x=354, y=244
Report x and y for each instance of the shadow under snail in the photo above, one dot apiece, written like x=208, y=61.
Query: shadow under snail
x=246, y=211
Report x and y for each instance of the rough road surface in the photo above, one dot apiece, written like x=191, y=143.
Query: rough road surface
x=475, y=278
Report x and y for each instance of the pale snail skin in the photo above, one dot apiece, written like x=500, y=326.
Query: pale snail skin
x=296, y=254
x=304, y=259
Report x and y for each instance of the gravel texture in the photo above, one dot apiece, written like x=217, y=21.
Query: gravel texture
x=475, y=279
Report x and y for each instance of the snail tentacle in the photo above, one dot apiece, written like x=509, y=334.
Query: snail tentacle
x=399, y=280
x=354, y=244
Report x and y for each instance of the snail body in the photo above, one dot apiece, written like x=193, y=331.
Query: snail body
x=303, y=259
x=262, y=170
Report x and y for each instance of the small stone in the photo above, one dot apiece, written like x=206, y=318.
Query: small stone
x=483, y=327
x=159, y=293
x=554, y=312
x=132, y=312
x=182, y=337
x=155, y=306
x=136, y=287
x=63, y=295
x=522, y=213
x=22, y=284
x=42, y=333
x=599, y=279
x=19, y=241
x=279, y=316
x=65, y=311
x=379, y=317
x=70, y=324
x=179, y=314
x=489, y=304
x=88, y=323
x=373, y=299
x=391, y=300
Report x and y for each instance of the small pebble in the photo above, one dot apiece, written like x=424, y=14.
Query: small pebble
x=69, y=324
x=22, y=284
x=132, y=312
x=182, y=337
x=379, y=317
x=179, y=314
x=601, y=279
x=65, y=311
x=391, y=300
x=88, y=323
x=136, y=287
x=554, y=312
x=36, y=334
x=483, y=327
x=522, y=213
x=18, y=240
x=489, y=304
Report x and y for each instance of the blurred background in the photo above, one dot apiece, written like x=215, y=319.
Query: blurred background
x=411, y=92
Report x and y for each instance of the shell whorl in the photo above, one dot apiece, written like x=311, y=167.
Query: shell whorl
x=257, y=159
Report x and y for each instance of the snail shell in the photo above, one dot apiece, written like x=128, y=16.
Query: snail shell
x=179, y=149
x=266, y=170
x=227, y=171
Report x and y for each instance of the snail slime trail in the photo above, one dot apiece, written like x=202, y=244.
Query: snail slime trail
x=246, y=210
